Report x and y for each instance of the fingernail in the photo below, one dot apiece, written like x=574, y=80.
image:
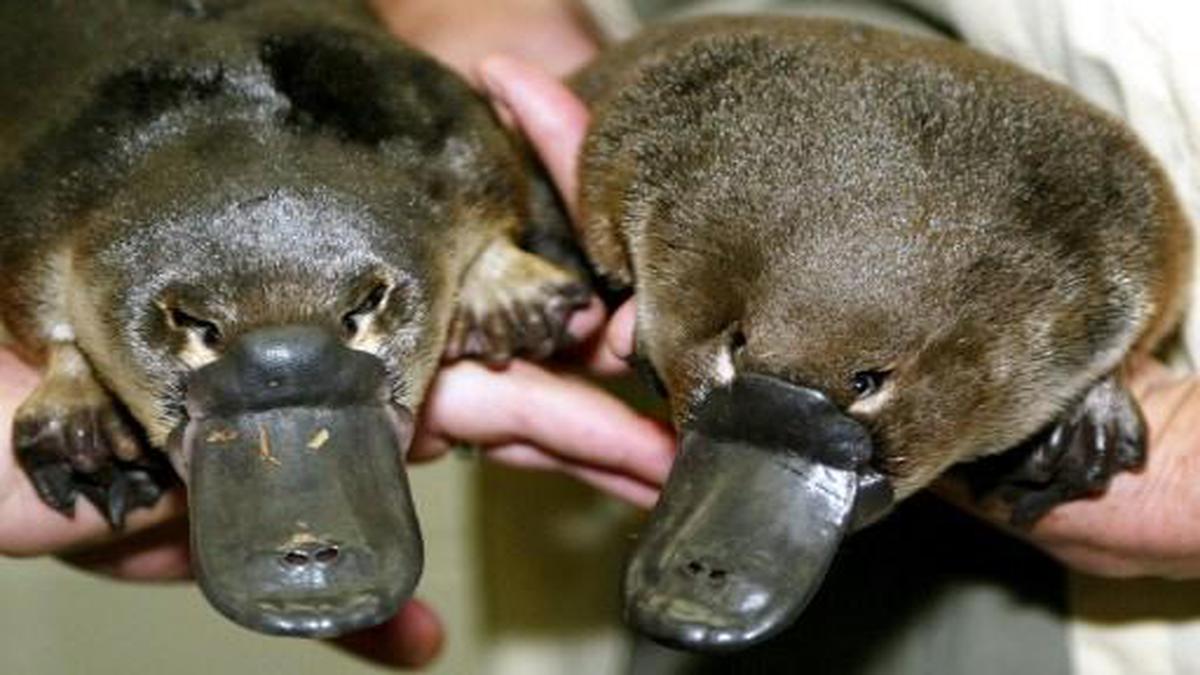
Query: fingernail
x=507, y=118
x=487, y=76
x=494, y=88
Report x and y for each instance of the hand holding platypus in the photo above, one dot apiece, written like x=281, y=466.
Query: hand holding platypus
x=1152, y=417
x=955, y=184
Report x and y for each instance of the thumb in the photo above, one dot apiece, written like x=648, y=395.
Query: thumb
x=411, y=639
x=547, y=112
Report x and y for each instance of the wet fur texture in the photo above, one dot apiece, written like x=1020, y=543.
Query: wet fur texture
x=176, y=173
x=812, y=199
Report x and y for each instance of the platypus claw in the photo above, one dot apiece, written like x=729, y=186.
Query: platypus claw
x=1076, y=456
x=80, y=452
x=513, y=304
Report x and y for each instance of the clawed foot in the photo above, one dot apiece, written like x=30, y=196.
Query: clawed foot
x=71, y=438
x=1076, y=457
x=513, y=303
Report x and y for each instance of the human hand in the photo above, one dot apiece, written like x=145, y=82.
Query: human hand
x=1144, y=524
x=546, y=418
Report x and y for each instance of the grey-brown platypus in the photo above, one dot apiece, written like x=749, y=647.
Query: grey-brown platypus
x=860, y=259
x=246, y=232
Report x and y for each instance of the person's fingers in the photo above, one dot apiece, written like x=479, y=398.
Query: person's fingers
x=547, y=112
x=602, y=353
x=27, y=525
x=1146, y=374
x=17, y=382
x=586, y=322
x=611, y=356
x=619, y=333
x=411, y=639
x=159, y=553
x=1142, y=523
x=623, y=487
x=565, y=415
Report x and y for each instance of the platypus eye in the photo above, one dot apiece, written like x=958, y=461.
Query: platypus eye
x=737, y=342
x=209, y=332
x=867, y=382
x=369, y=303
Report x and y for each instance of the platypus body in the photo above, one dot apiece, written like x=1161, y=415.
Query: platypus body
x=861, y=258
x=246, y=232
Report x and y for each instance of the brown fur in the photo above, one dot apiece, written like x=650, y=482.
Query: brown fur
x=810, y=199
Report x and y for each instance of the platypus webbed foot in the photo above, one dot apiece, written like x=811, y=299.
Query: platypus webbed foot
x=71, y=438
x=513, y=303
x=1076, y=456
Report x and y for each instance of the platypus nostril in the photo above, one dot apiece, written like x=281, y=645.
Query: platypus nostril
x=326, y=554
x=310, y=552
x=295, y=558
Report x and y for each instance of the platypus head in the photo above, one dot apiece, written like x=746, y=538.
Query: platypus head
x=273, y=316
x=824, y=357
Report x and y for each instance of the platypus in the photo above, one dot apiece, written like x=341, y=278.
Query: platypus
x=246, y=232
x=860, y=259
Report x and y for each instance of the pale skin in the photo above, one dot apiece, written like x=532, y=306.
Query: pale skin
x=1142, y=526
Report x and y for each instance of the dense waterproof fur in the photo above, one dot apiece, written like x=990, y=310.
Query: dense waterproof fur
x=176, y=173
x=953, y=249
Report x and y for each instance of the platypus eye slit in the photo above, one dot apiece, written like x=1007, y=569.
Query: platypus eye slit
x=867, y=382
x=371, y=302
x=737, y=341
x=209, y=332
